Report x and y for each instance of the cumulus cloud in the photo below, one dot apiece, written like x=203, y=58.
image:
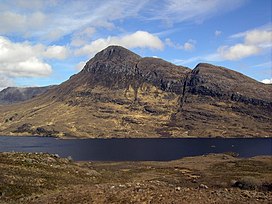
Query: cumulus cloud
x=267, y=81
x=139, y=39
x=31, y=67
x=238, y=51
x=255, y=41
x=27, y=60
x=56, y=51
x=187, y=46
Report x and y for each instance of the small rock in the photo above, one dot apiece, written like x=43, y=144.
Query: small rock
x=178, y=188
x=194, y=181
x=70, y=159
x=203, y=186
x=187, y=189
x=246, y=194
x=30, y=161
x=56, y=156
x=50, y=160
x=233, y=182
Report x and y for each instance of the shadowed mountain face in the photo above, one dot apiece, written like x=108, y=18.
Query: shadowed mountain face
x=16, y=94
x=120, y=94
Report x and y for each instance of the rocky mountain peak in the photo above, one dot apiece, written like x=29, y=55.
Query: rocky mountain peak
x=113, y=56
x=115, y=51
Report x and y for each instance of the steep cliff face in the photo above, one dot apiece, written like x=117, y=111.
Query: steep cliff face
x=117, y=68
x=120, y=94
x=215, y=81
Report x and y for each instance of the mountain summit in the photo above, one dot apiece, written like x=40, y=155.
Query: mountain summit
x=120, y=94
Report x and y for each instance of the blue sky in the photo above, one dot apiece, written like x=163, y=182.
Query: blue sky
x=45, y=42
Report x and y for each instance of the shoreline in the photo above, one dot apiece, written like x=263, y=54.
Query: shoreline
x=219, y=178
x=112, y=137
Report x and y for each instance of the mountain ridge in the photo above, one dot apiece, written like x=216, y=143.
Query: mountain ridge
x=19, y=94
x=120, y=94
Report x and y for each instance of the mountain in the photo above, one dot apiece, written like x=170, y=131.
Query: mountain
x=16, y=94
x=120, y=94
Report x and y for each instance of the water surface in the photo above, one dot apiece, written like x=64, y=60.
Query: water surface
x=136, y=149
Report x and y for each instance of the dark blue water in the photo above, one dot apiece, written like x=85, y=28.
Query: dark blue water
x=136, y=149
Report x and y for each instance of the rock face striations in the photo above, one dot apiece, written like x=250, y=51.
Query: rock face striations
x=120, y=94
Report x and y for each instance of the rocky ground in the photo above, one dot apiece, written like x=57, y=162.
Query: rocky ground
x=216, y=178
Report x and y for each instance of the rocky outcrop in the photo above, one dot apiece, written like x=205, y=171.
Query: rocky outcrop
x=219, y=82
x=119, y=68
x=41, y=131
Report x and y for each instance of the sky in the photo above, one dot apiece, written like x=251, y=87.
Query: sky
x=45, y=42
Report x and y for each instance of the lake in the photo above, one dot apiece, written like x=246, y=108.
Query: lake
x=136, y=149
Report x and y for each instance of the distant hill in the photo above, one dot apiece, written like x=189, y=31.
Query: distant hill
x=120, y=94
x=17, y=94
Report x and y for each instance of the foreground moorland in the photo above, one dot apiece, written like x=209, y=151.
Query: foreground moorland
x=214, y=178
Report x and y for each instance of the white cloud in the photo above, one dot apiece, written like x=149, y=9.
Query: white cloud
x=170, y=43
x=5, y=82
x=82, y=37
x=31, y=67
x=267, y=81
x=187, y=46
x=12, y=22
x=27, y=60
x=194, y=60
x=238, y=51
x=56, y=51
x=217, y=33
x=258, y=37
x=265, y=64
x=53, y=19
x=14, y=52
x=80, y=65
x=139, y=39
x=175, y=11
x=31, y=5
x=255, y=41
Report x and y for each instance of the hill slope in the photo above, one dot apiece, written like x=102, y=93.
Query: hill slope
x=120, y=94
